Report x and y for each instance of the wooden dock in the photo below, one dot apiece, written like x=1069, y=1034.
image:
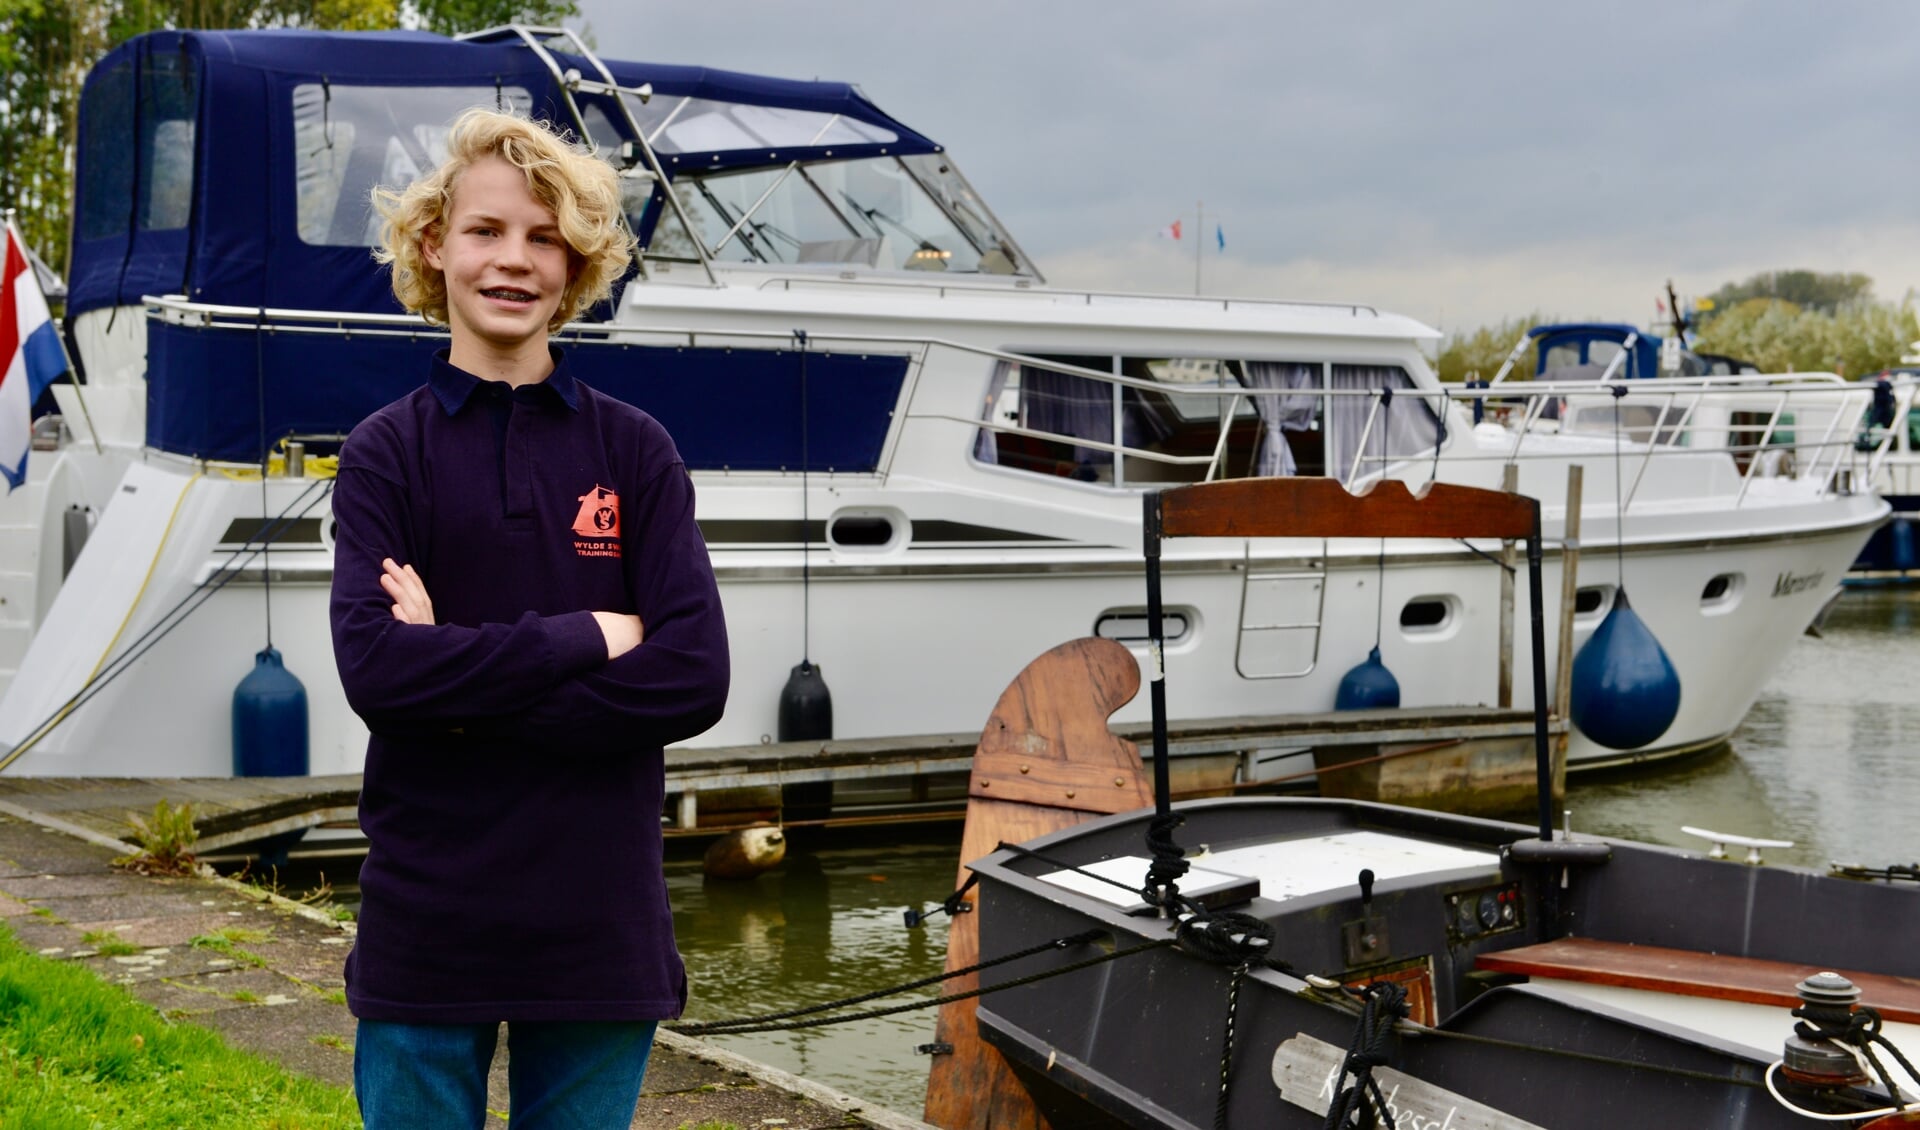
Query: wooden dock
x=1463, y=759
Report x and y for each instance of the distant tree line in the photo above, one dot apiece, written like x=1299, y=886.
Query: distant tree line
x=1782, y=321
x=46, y=47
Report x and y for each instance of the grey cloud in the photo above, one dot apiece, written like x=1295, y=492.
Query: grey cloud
x=1369, y=133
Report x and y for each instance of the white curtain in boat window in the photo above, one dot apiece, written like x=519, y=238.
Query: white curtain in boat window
x=1408, y=428
x=1067, y=405
x=987, y=448
x=1281, y=414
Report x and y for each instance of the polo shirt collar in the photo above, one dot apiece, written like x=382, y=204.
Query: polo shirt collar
x=454, y=386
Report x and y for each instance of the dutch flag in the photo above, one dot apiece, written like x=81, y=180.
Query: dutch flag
x=30, y=347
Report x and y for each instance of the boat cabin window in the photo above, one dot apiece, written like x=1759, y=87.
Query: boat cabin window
x=347, y=139
x=874, y=212
x=164, y=120
x=1210, y=418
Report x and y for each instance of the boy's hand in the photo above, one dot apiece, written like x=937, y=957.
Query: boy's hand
x=623, y=632
x=411, y=605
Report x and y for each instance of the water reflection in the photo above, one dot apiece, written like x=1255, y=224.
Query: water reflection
x=1826, y=758
x=823, y=926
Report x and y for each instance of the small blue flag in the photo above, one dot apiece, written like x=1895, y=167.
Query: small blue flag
x=1220, y=236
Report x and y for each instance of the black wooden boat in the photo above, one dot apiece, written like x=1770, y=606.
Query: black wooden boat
x=1439, y=972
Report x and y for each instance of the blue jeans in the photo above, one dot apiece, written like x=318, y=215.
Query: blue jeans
x=562, y=1076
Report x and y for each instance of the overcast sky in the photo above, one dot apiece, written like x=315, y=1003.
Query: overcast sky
x=1459, y=162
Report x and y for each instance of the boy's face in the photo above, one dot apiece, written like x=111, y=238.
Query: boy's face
x=505, y=263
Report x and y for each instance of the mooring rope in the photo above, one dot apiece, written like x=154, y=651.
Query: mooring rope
x=752, y=1024
x=1384, y=1003
x=1861, y=1031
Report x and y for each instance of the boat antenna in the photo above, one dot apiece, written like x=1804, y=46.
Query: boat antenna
x=1673, y=314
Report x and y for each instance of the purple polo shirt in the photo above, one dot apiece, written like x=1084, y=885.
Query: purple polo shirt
x=514, y=778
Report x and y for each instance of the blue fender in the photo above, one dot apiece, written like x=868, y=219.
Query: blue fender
x=1625, y=690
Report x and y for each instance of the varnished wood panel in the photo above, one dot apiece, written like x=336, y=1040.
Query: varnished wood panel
x=1695, y=974
x=1053, y=720
x=1322, y=508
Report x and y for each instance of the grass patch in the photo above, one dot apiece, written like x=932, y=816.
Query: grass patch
x=334, y=1042
x=335, y=996
x=244, y=996
x=222, y=941
x=77, y=1053
x=165, y=839
x=109, y=944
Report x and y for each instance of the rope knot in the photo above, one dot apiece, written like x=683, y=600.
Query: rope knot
x=1169, y=862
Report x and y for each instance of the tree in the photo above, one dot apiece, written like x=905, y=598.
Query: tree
x=1809, y=290
x=451, y=17
x=46, y=47
x=1482, y=352
x=1779, y=336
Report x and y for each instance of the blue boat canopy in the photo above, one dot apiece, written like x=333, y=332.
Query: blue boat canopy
x=234, y=166
x=1582, y=350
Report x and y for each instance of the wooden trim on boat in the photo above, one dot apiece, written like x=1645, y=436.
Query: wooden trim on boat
x=1323, y=508
x=1692, y=973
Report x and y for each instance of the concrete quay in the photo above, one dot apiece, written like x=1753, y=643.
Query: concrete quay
x=275, y=988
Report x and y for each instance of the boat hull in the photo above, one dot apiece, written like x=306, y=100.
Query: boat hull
x=1138, y=1040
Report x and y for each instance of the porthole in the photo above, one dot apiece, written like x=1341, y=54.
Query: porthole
x=1425, y=614
x=1593, y=602
x=1722, y=592
x=861, y=531
x=1129, y=625
x=875, y=529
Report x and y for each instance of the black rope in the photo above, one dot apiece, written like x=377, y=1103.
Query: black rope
x=955, y=903
x=1862, y=1031
x=744, y=1026
x=1070, y=940
x=1478, y=552
x=1358, y=1105
x=1169, y=862
x=1585, y=1057
x=1226, y=1044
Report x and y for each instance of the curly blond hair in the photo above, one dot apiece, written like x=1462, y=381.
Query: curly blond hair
x=582, y=191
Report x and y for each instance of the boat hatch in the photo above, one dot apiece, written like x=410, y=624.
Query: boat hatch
x=1281, y=869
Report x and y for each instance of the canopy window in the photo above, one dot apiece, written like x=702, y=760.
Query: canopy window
x=348, y=139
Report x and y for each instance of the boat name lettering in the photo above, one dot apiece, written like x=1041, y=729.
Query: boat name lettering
x=1787, y=584
x=1308, y=1072
x=1402, y=1119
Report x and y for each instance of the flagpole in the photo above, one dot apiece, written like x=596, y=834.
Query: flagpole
x=78, y=396
x=1199, y=226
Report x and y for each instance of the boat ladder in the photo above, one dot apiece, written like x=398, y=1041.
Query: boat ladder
x=1282, y=608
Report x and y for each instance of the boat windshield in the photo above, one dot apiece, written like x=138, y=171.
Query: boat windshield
x=913, y=213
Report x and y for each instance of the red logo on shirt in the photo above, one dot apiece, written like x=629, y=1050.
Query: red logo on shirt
x=599, y=519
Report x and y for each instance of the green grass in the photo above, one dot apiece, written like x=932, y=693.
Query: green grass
x=109, y=944
x=77, y=1054
x=222, y=942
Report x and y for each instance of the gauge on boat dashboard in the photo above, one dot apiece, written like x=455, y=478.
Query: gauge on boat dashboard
x=1483, y=911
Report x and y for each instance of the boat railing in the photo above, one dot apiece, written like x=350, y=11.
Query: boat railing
x=1745, y=418
x=1026, y=288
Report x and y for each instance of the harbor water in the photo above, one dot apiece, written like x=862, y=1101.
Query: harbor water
x=1826, y=758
